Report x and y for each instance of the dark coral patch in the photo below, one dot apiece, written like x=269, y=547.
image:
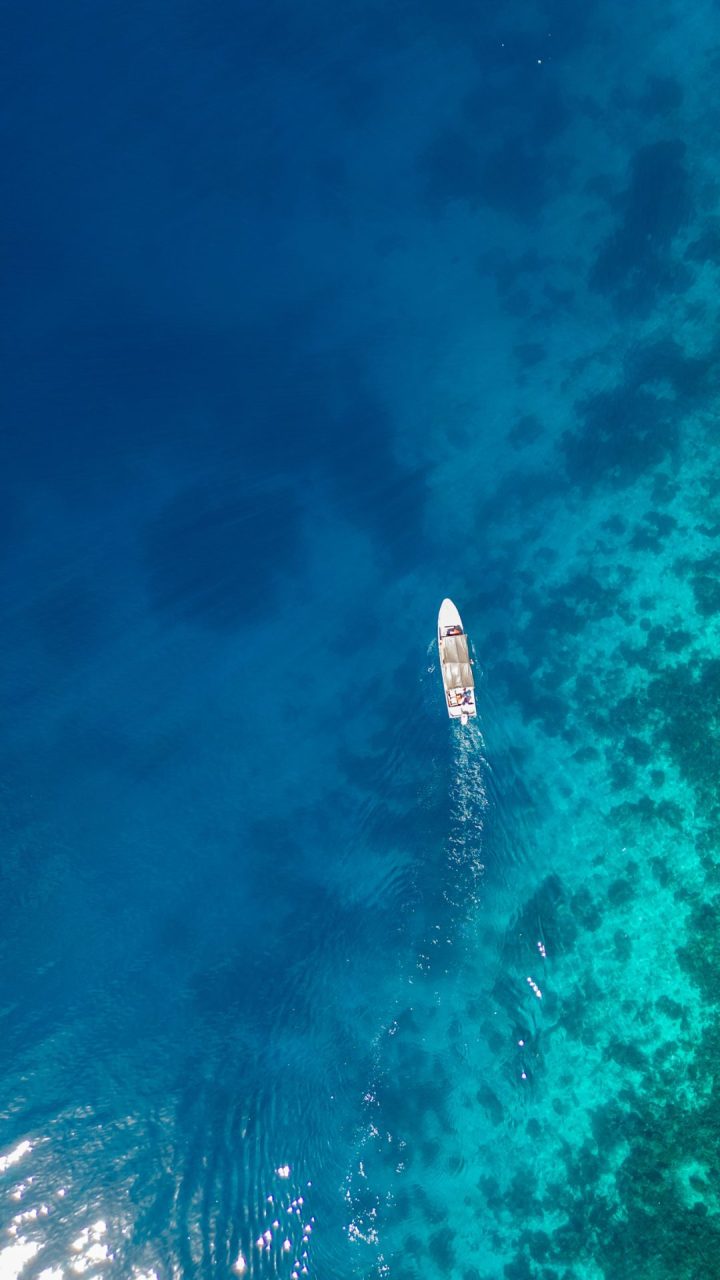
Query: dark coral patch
x=664, y=362
x=706, y=246
x=529, y=353
x=526, y=431
x=706, y=590
x=622, y=434
x=490, y=1104
x=513, y=178
x=622, y=945
x=548, y=915
x=700, y=955
x=644, y=810
x=644, y=539
x=586, y=910
x=518, y=1269
x=442, y=1251
x=627, y=1055
x=662, y=95
x=676, y=641
x=621, y=775
x=682, y=704
x=670, y=1008
x=614, y=524
x=663, y=489
x=633, y=264
x=638, y=750
x=524, y=687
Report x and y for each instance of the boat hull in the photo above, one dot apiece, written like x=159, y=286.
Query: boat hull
x=455, y=664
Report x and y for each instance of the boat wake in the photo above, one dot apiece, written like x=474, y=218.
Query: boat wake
x=406, y=1095
x=468, y=807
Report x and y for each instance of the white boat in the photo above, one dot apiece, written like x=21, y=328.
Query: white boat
x=455, y=664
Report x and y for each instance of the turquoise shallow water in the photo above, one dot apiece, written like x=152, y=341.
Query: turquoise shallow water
x=319, y=316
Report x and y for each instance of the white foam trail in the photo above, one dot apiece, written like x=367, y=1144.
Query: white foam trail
x=468, y=805
x=17, y=1153
x=89, y=1244
x=14, y=1259
x=468, y=801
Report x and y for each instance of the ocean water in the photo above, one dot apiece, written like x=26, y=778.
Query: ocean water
x=315, y=314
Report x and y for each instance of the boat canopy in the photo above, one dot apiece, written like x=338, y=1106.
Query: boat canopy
x=455, y=664
x=457, y=675
x=455, y=649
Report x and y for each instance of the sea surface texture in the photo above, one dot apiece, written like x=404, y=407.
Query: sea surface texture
x=316, y=313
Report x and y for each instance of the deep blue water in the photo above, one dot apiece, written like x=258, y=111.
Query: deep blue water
x=315, y=314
